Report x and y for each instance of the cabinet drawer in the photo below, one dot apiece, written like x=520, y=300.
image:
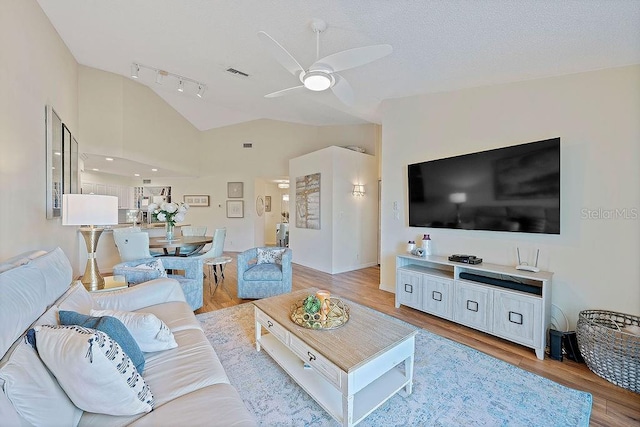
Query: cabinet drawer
x=320, y=364
x=408, y=288
x=473, y=305
x=517, y=318
x=437, y=296
x=273, y=327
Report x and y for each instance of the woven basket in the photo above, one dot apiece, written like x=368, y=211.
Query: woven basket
x=608, y=350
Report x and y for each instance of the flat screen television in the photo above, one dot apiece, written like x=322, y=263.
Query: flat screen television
x=514, y=188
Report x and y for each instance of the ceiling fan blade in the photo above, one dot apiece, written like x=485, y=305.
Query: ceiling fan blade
x=284, y=91
x=280, y=53
x=343, y=90
x=352, y=58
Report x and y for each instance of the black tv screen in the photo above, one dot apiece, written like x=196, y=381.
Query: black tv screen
x=514, y=188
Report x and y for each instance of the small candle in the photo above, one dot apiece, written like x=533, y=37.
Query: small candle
x=324, y=297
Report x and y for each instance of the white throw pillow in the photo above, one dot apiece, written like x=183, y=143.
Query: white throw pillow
x=151, y=333
x=93, y=370
x=34, y=392
x=270, y=256
x=156, y=264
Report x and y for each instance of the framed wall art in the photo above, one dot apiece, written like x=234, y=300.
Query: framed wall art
x=235, y=208
x=267, y=203
x=196, y=200
x=53, y=163
x=235, y=190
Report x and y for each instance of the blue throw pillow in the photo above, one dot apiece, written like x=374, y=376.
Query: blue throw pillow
x=111, y=326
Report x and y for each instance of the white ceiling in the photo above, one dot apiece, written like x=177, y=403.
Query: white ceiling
x=437, y=46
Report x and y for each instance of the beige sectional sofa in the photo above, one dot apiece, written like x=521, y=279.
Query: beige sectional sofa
x=188, y=382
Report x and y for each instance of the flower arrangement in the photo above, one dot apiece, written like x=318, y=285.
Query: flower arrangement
x=168, y=212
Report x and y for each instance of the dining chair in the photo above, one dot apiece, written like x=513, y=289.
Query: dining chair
x=213, y=257
x=132, y=245
x=192, y=230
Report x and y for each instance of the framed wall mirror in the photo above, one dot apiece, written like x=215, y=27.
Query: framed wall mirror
x=54, y=166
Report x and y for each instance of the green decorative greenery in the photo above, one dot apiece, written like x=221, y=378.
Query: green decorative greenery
x=311, y=304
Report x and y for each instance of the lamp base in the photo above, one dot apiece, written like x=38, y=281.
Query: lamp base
x=92, y=279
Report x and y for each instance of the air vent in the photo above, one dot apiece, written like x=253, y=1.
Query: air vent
x=236, y=72
x=146, y=181
x=247, y=145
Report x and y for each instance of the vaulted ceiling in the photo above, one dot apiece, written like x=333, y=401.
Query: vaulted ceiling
x=437, y=46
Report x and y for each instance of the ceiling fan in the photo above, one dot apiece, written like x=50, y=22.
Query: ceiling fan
x=322, y=74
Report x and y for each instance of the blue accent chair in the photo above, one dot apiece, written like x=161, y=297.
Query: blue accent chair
x=257, y=281
x=191, y=282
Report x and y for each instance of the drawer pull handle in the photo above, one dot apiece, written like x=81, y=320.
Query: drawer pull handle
x=408, y=288
x=312, y=357
x=437, y=296
x=269, y=323
x=472, y=305
x=512, y=316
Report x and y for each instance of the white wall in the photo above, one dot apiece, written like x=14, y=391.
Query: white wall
x=36, y=69
x=596, y=114
x=348, y=231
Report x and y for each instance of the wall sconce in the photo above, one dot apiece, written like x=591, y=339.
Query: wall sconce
x=358, y=190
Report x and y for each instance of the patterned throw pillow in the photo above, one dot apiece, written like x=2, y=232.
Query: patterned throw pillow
x=92, y=369
x=270, y=256
x=110, y=326
x=151, y=333
x=156, y=264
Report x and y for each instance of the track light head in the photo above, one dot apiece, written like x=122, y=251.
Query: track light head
x=201, y=90
x=135, y=70
x=180, y=86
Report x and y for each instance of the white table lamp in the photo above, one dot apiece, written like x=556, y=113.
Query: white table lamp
x=90, y=210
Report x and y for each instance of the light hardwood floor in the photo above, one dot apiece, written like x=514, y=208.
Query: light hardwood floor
x=612, y=405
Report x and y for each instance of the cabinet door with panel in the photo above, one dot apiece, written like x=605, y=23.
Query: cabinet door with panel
x=437, y=296
x=408, y=288
x=473, y=305
x=517, y=317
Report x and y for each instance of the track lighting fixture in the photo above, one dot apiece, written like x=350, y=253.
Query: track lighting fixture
x=161, y=75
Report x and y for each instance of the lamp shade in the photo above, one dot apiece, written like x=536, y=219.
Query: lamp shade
x=458, y=197
x=89, y=209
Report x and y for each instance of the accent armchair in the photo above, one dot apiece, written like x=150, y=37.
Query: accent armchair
x=191, y=282
x=261, y=275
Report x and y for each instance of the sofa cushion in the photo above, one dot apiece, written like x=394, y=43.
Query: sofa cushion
x=264, y=272
x=34, y=392
x=110, y=326
x=77, y=299
x=270, y=256
x=177, y=315
x=151, y=333
x=178, y=374
x=92, y=369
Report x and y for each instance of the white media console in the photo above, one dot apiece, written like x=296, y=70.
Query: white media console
x=434, y=285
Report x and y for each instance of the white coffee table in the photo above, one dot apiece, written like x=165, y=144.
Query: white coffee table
x=353, y=369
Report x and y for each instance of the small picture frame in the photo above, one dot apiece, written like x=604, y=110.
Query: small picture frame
x=267, y=203
x=235, y=208
x=196, y=200
x=235, y=190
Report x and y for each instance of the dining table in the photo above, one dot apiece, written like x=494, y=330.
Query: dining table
x=178, y=243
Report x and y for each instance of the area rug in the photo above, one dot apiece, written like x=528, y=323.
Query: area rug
x=454, y=385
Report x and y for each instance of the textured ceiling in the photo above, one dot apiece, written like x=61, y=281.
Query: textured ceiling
x=437, y=46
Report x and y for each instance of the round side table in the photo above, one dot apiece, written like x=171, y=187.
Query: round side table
x=213, y=264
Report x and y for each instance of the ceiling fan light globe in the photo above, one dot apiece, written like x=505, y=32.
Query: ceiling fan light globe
x=316, y=81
